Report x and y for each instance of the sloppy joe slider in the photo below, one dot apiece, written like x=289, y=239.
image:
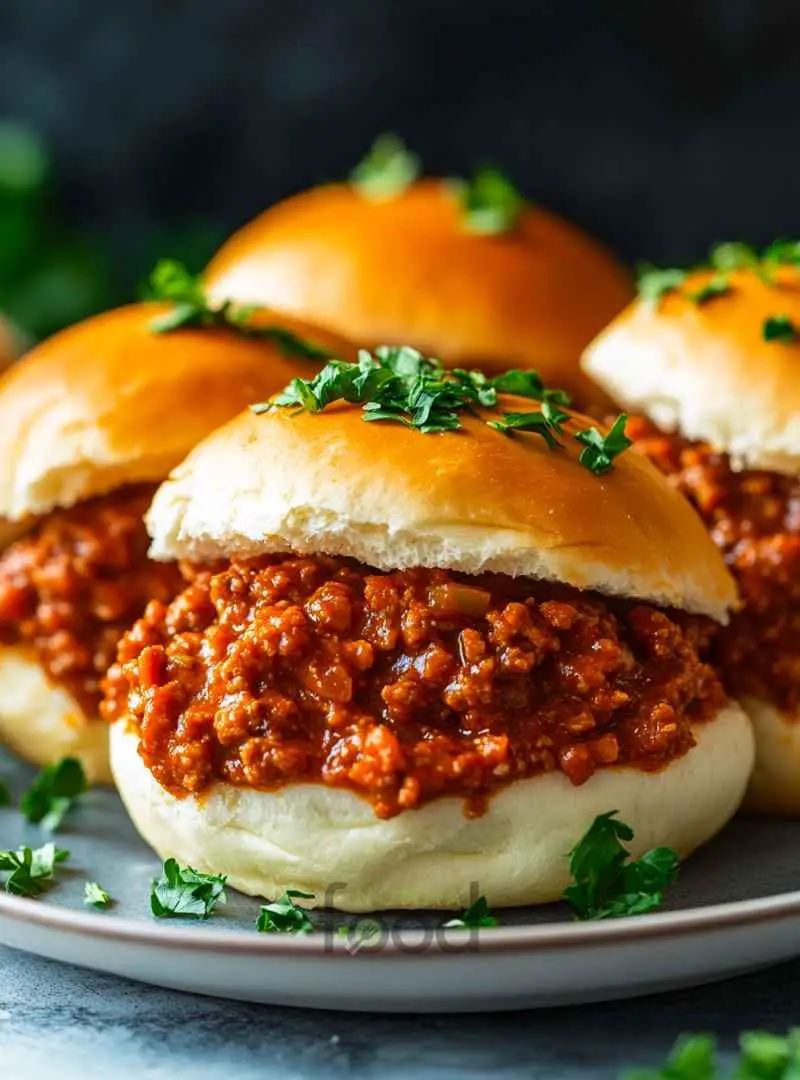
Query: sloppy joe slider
x=429, y=630
x=711, y=359
x=467, y=271
x=90, y=422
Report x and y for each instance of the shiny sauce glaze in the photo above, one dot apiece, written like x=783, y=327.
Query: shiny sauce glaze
x=72, y=586
x=402, y=686
x=754, y=517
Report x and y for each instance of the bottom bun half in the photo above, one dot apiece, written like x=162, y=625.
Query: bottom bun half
x=775, y=784
x=329, y=842
x=43, y=723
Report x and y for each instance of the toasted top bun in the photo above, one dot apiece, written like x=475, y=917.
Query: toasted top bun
x=405, y=271
x=108, y=402
x=473, y=500
x=706, y=371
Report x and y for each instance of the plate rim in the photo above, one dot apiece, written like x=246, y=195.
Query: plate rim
x=520, y=939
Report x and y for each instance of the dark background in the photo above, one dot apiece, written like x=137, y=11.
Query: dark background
x=661, y=126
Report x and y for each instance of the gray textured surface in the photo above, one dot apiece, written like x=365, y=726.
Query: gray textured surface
x=61, y=1022
x=58, y=1022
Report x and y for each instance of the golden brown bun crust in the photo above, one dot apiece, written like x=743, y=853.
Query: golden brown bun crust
x=473, y=500
x=108, y=402
x=404, y=271
x=706, y=370
x=309, y=836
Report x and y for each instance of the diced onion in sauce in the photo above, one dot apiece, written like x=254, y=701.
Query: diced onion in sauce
x=456, y=599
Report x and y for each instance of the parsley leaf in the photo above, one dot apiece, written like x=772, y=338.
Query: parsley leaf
x=185, y=893
x=399, y=384
x=387, y=170
x=170, y=281
x=780, y=328
x=600, y=450
x=31, y=870
x=692, y=1058
x=53, y=793
x=782, y=252
x=763, y=1056
x=283, y=916
x=606, y=884
x=5, y=795
x=769, y=1057
x=547, y=423
x=478, y=914
x=653, y=283
x=718, y=285
x=490, y=204
x=95, y=896
x=528, y=384
x=733, y=255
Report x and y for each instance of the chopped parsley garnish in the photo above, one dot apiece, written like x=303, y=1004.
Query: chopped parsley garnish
x=490, y=204
x=53, y=793
x=762, y=1056
x=283, y=916
x=725, y=258
x=600, y=450
x=95, y=896
x=170, y=281
x=5, y=795
x=387, y=170
x=400, y=385
x=782, y=252
x=185, y=893
x=718, y=285
x=653, y=283
x=477, y=915
x=607, y=883
x=733, y=255
x=547, y=423
x=780, y=328
x=692, y=1058
x=31, y=871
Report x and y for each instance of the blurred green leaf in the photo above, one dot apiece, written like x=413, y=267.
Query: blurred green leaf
x=53, y=273
x=24, y=161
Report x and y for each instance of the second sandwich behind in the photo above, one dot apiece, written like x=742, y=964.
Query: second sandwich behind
x=90, y=422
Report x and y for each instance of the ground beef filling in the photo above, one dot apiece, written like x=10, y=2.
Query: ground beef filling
x=71, y=588
x=754, y=517
x=402, y=686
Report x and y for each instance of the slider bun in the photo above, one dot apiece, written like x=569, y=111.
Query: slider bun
x=108, y=402
x=309, y=837
x=42, y=722
x=774, y=787
x=473, y=500
x=404, y=271
x=706, y=371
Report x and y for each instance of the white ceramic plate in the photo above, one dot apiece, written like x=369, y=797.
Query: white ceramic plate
x=735, y=907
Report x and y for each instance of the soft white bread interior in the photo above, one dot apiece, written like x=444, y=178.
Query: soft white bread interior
x=474, y=500
x=312, y=837
x=42, y=722
x=775, y=784
x=706, y=370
